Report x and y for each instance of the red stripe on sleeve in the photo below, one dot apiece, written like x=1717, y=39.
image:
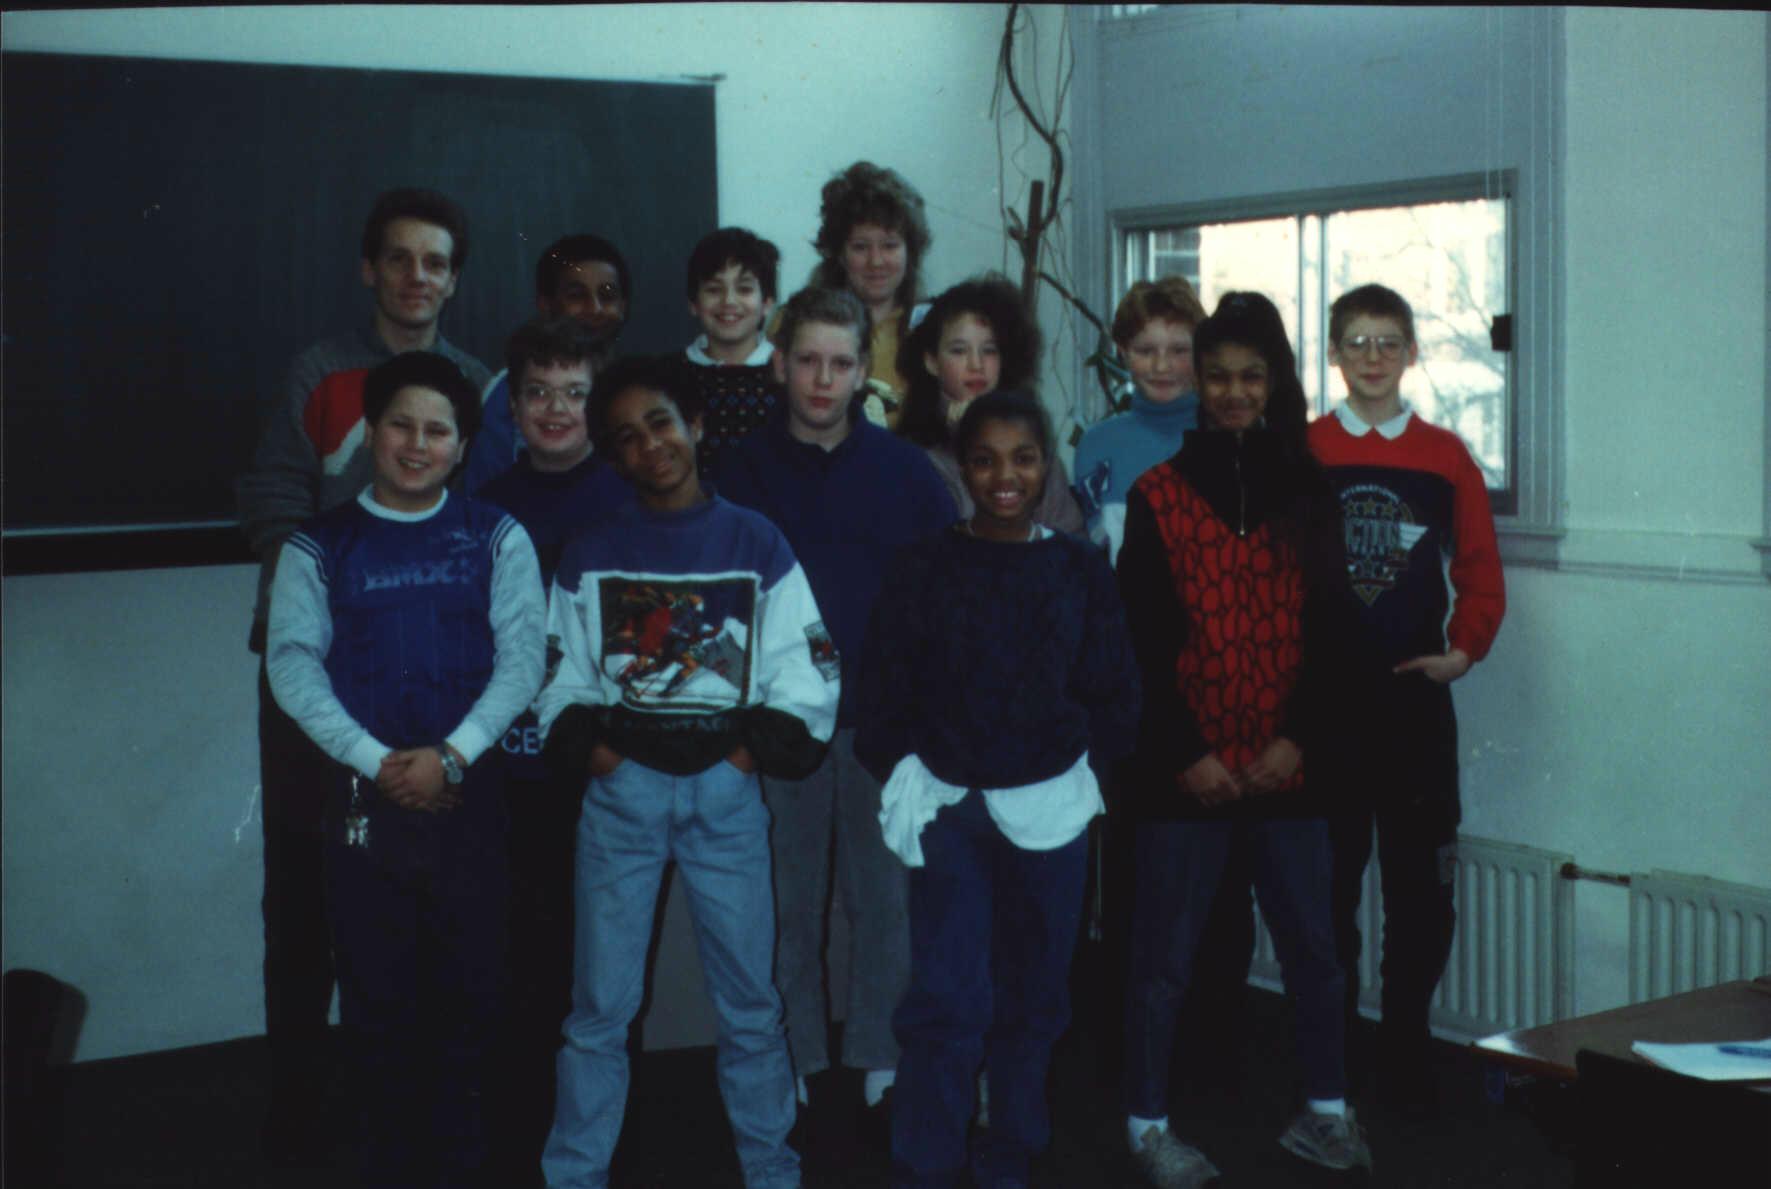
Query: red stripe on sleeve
x=333, y=409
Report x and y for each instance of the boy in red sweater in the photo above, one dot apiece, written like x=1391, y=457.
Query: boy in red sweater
x=1410, y=495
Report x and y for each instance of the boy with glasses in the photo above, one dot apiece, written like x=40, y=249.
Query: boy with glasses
x=1410, y=495
x=582, y=277
x=556, y=490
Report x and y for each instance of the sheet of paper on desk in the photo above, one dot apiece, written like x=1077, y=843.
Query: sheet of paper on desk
x=1749, y=1060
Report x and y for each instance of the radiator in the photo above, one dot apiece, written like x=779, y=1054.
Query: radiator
x=1688, y=931
x=1512, y=959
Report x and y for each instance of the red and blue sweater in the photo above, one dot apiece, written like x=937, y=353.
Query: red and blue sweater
x=1409, y=497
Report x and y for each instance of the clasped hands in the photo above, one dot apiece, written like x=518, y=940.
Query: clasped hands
x=1210, y=783
x=413, y=779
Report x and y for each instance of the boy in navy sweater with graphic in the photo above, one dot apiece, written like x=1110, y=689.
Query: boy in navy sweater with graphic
x=557, y=490
x=405, y=635
x=688, y=655
x=1410, y=495
x=848, y=494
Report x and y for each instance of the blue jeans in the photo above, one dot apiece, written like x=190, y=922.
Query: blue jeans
x=1180, y=865
x=714, y=826
x=992, y=931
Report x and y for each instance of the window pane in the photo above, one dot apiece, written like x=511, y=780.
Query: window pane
x=1449, y=260
x=1261, y=254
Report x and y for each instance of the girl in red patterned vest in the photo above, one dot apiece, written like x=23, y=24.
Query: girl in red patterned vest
x=1233, y=575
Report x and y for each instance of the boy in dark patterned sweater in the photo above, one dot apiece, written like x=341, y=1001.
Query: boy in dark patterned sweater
x=1410, y=496
x=731, y=288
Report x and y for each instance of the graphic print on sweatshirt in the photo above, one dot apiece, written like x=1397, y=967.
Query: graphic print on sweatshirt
x=677, y=645
x=825, y=658
x=1381, y=530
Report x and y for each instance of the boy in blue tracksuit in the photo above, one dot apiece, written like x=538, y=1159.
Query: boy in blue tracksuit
x=687, y=654
x=849, y=495
x=405, y=634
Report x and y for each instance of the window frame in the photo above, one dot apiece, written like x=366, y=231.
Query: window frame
x=1128, y=226
x=1535, y=148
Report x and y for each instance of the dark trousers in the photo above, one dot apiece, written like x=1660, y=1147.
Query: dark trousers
x=1416, y=846
x=1180, y=868
x=543, y=841
x=1214, y=1017
x=992, y=930
x=293, y=778
x=419, y=917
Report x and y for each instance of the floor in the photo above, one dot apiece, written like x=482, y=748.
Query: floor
x=189, y=1119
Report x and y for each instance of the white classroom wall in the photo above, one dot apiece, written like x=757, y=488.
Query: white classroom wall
x=131, y=836
x=1621, y=717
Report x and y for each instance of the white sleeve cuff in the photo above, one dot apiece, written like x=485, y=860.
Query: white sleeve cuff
x=470, y=739
x=366, y=755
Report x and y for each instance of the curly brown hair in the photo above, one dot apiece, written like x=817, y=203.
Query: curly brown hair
x=994, y=300
x=869, y=193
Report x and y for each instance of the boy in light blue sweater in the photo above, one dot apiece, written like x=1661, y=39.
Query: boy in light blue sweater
x=1153, y=329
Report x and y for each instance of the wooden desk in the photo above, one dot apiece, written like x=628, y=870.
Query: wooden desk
x=1733, y=1011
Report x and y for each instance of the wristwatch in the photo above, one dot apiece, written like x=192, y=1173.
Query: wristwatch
x=452, y=772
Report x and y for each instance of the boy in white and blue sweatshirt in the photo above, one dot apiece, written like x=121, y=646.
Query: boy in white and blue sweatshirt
x=686, y=654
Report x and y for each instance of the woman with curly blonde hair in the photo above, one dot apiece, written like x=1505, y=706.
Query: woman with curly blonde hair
x=872, y=236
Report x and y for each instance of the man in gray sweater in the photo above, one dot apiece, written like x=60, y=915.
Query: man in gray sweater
x=311, y=456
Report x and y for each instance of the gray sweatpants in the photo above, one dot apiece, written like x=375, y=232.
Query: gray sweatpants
x=840, y=798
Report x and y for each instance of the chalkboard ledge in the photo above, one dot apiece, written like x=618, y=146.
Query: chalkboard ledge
x=137, y=549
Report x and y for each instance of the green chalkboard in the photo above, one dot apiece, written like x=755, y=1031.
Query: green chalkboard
x=176, y=231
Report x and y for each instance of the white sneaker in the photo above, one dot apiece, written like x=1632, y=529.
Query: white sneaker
x=1328, y=1140
x=1167, y=1163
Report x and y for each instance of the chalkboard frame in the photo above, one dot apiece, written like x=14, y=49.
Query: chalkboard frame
x=178, y=230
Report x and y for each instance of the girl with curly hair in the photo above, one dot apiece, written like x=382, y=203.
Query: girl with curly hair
x=976, y=338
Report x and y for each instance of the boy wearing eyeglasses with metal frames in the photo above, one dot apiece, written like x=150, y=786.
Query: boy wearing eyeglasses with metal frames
x=557, y=489
x=1410, y=495
x=582, y=277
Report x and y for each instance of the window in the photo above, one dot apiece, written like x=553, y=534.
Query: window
x=1447, y=254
